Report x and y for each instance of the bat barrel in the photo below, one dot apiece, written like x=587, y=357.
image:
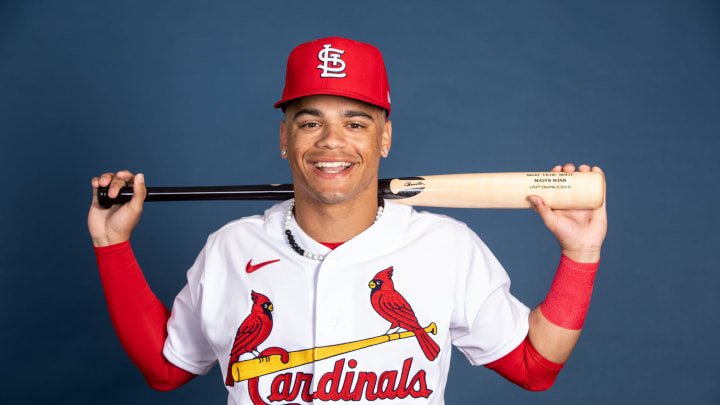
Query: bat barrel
x=577, y=190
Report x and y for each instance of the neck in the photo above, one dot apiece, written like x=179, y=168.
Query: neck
x=337, y=222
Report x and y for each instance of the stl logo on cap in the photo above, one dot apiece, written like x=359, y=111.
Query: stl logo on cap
x=329, y=55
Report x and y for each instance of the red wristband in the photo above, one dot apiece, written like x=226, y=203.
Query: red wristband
x=568, y=300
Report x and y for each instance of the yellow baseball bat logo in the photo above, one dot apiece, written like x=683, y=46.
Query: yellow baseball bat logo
x=248, y=369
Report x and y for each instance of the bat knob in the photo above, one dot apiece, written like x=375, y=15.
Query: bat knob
x=106, y=202
x=102, y=197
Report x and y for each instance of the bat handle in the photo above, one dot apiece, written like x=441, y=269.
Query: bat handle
x=106, y=202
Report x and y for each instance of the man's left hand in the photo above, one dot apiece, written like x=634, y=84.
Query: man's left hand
x=579, y=232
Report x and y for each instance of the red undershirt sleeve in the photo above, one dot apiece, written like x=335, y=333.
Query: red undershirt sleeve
x=525, y=367
x=138, y=317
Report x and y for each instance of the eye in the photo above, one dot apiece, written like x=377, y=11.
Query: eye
x=356, y=125
x=310, y=125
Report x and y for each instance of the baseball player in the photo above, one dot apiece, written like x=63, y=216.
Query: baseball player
x=337, y=295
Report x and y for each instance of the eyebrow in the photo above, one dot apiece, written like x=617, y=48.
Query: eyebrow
x=356, y=113
x=347, y=114
x=308, y=111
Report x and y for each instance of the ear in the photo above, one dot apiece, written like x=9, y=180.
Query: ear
x=386, y=140
x=283, y=139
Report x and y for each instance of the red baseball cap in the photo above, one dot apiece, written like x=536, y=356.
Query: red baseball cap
x=337, y=66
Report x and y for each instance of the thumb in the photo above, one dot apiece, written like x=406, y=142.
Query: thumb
x=139, y=193
x=546, y=214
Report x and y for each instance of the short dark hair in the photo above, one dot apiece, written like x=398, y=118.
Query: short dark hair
x=287, y=104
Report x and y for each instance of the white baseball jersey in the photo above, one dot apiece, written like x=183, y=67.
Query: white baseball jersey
x=321, y=313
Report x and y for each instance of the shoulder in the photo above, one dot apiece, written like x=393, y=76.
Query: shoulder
x=409, y=227
x=438, y=241
x=409, y=219
x=255, y=226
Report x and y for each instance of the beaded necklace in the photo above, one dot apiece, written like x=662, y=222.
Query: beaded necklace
x=291, y=238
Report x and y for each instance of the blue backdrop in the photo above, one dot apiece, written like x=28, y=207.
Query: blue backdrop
x=183, y=91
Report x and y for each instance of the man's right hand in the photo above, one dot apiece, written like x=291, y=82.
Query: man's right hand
x=115, y=224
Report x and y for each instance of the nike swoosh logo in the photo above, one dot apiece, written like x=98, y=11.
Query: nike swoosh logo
x=252, y=267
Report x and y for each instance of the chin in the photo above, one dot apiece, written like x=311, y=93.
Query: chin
x=334, y=193
x=332, y=197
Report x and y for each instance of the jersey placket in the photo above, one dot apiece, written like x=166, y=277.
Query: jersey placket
x=330, y=306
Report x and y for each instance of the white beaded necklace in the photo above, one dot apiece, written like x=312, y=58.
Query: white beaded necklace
x=303, y=252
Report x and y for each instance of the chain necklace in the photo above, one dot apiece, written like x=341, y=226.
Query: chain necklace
x=291, y=238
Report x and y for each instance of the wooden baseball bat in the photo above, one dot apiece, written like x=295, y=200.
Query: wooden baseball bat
x=247, y=369
x=560, y=190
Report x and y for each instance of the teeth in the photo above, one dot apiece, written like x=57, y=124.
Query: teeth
x=332, y=164
x=332, y=167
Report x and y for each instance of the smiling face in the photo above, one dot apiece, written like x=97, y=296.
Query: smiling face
x=334, y=145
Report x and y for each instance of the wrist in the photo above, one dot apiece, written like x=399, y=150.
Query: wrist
x=104, y=241
x=100, y=242
x=112, y=248
x=589, y=255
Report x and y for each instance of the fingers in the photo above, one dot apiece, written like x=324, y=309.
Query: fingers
x=569, y=168
x=122, y=178
x=105, y=179
x=139, y=192
x=113, y=181
x=599, y=170
x=547, y=215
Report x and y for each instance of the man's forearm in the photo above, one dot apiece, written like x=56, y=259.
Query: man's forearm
x=553, y=342
x=555, y=324
x=138, y=317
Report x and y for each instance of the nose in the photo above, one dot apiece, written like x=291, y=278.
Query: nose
x=332, y=137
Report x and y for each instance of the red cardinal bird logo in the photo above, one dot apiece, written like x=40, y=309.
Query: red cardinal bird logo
x=253, y=331
x=392, y=306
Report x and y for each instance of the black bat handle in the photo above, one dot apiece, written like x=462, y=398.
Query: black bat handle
x=106, y=202
x=259, y=192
